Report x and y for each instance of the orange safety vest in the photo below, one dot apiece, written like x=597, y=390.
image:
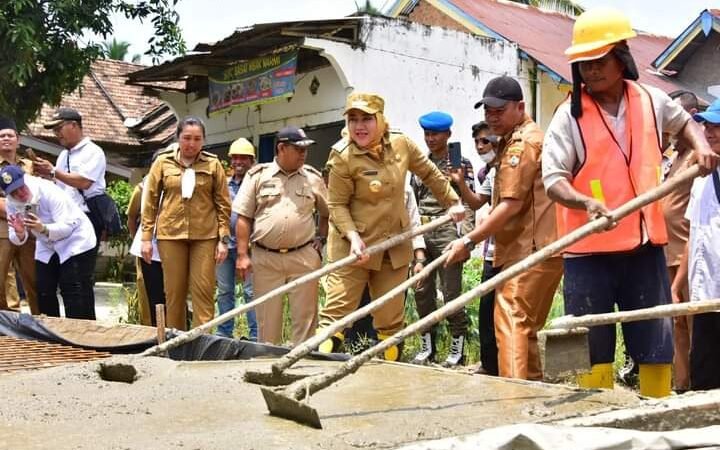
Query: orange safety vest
x=610, y=176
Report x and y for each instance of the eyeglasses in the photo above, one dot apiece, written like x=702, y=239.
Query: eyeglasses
x=57, y=128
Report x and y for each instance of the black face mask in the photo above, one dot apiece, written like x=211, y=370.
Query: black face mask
x=630, y=72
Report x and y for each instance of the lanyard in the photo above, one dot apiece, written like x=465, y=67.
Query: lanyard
x=716, y=182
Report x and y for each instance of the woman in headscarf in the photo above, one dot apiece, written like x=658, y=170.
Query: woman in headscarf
x=368, y=169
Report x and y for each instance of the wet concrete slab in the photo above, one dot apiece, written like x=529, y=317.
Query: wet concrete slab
x=207, y=405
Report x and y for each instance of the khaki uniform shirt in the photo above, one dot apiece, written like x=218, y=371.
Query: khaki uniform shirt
x=281, y=204
x=205, y=215
x=519, y=176
x=27, y=166
x=674, y=206
x=367, y=196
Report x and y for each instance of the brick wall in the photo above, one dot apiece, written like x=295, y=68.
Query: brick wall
x=427, y=14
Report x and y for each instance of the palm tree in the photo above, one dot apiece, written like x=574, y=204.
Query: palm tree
x=563, y=6
x=368, y=8
x=115, y=49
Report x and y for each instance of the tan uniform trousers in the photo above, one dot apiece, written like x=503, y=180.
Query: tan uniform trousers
x=682, y=336
x=272, y=270
x=345, y=287
x=521, y=307
x=188, y=265
x=143, y=301
x=25, y=257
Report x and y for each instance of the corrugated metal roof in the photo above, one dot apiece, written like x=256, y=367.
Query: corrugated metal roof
x=544, y=36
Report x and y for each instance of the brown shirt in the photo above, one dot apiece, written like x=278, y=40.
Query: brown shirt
x=27, y=166
x=368, y=195
x=205, y=215
x=281, y=204
x=519, y=177
x=674, y=207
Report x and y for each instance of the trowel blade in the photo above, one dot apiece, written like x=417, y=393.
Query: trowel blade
x=564, y=352
x=280, y=405
x=270, y=378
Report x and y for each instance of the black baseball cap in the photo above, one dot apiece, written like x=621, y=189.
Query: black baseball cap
x=63, y=115
x=295, y=136
x=499, y=91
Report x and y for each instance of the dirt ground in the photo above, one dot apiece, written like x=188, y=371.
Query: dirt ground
x=207, y=405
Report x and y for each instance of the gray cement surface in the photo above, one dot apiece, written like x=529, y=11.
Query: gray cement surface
x=207, y=405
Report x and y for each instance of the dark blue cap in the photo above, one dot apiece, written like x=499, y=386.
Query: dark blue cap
x=11, y=178
x=712, y=114
x=436, y=121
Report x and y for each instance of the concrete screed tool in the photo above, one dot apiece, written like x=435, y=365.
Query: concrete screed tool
x=290, y=402
x=564, y=345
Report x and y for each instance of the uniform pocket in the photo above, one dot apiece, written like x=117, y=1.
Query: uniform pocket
x=306, y=200
x=203, y=177
x=268, y=194
x=172, y=177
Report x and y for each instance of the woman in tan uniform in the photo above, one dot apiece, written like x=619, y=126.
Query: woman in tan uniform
x=192, y=223
x=368, y=169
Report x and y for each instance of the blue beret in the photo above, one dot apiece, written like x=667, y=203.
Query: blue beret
x=436, y=121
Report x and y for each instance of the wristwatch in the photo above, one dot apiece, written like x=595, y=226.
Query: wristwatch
x=468, y=243
x=225, y=239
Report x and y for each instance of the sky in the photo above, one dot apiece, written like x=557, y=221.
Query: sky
x=212, y=20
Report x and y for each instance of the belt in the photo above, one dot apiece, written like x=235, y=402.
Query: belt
x=283, y=250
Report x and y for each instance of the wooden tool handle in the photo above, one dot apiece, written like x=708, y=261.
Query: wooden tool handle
x=656, y=312
x=281, y=290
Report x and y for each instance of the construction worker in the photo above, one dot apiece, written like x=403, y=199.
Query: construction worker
x=522, y=220
x=23, y=255
x=242, y=158
x=485, y=145
x=192, y=226
x=436, y=127
x=700, y=263
x=275, y=207
x=601, y=150
x=366, y=187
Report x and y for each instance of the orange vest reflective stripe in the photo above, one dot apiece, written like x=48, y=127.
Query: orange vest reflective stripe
x=610, y=176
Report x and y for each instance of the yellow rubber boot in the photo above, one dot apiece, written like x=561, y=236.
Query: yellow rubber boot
x=601, y=376
x=655, y=380
x=393, y=353
x=333, y=344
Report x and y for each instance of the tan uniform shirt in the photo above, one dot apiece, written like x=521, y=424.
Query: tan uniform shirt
x=27, y=166
x=205, y=215
x=674, y=206
x=281, y=204
x=519, y=177
x=368, y=196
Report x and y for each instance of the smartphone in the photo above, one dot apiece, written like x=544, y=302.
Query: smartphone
x=30, y=208
x=455, y=155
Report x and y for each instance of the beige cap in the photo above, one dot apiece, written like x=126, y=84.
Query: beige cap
x=366, y=102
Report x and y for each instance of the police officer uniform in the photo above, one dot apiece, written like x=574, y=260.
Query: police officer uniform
x=366, y=196
x=281, y=206
x=23, y=255
x=187, y=231
x=436, y=241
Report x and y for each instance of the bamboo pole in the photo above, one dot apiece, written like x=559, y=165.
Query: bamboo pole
x=377, y=248
x=160, y=322
x=655, y=312
x=309, y=345
x=305, y=387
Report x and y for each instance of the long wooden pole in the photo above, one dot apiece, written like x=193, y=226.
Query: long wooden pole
x=309, y=345
x=308, y=386
x=377, y=248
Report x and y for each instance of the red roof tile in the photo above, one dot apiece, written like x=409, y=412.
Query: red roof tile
x=545, y=35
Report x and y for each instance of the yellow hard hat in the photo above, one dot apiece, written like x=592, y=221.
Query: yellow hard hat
x=596, y=31
x=242, y=146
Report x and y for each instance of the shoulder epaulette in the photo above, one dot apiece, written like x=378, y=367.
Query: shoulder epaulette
x=209, y=155
x=257, y=168
x=395, y=131
x=312, y=170
x=166, y=151
x=341, y=145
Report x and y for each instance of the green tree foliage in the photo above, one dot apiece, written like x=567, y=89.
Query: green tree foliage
x=44, y=52
x=115, y=49
x=120, y=191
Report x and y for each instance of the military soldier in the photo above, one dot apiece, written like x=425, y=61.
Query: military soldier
x=276, y=203
x=367, y=179
x=436, y=126
x=24, y=254
x=192, y=226
x=522, y=220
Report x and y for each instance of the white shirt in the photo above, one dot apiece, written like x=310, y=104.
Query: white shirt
x=418, y=242
x=88, y=161
x=70, y=232
x=486, y=188
x=136, y=247
x=703, y=212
